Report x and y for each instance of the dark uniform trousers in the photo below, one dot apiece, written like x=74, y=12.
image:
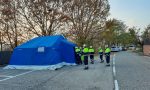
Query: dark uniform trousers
x=92, y=55
x=107, y=57
x=101, y=55
x=79, y=59
x=85, y=59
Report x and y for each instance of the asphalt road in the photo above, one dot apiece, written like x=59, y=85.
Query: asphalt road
x=133, y=71
x=98, y=77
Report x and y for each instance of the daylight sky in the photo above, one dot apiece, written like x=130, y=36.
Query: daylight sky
x=132, y=12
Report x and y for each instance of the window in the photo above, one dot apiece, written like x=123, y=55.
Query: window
x=41, y=49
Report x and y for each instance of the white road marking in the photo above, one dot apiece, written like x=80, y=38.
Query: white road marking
x=16, y=75
x=114, y=73
x=114, y=69
x=114, y=59
x=116, y=85
x=5, y=76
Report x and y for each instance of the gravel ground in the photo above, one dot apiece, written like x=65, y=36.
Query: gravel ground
x=133, y=71
x=98, y=77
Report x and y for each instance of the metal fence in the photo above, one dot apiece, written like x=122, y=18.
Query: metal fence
x=5, y=57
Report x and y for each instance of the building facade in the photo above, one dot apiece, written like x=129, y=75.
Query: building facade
x=146, y=47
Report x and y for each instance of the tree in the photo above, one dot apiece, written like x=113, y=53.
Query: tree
x=42, y=17
x=135, y=36
x=9, y=21
x=114, y=28
x=80, y=20
x=125, y=38
x=21, y=19
x=87, y=19
x=146, y=33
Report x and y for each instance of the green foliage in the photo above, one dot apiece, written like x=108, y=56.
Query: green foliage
x=116, y=33
x=146, y=33
x=114, y=28
x=125, y=38
x=134, y=35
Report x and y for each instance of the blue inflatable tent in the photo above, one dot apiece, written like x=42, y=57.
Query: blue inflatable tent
x=46, y=52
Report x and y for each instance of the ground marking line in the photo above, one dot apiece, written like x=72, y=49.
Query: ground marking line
x=116, y=85
x=5, y=76
x=114, y=73
x=114, y=69
x=16, y=75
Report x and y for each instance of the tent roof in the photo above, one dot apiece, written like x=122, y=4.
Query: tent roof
x=43, y=41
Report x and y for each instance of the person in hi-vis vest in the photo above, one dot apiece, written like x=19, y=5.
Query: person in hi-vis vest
x=78, y=58
x=107, y=55
x=85, y=53
x=91, y=52
x=100, y=51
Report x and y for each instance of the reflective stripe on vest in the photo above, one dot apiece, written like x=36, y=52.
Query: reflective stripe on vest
x=91, y=50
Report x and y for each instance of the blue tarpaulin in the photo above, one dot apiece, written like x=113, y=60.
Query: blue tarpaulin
x=44, y=51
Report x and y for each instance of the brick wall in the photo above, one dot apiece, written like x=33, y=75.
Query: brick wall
x=146, y=50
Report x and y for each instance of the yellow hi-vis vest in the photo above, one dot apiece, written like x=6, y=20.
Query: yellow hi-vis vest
x=85, y=50
x=77, y=50
x=91, y=50
x=100, y=50
x=107, y=50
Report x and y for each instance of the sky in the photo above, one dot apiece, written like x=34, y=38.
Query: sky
x=131, y=12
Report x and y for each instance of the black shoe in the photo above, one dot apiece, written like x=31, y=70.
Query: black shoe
x=86, y=68
x=102, y=61
x=92, y=62
x=108, y=65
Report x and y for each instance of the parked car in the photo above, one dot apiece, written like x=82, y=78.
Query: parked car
x=131, y=47
x=124, y=49
x=120, y=48
x=115, y=49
